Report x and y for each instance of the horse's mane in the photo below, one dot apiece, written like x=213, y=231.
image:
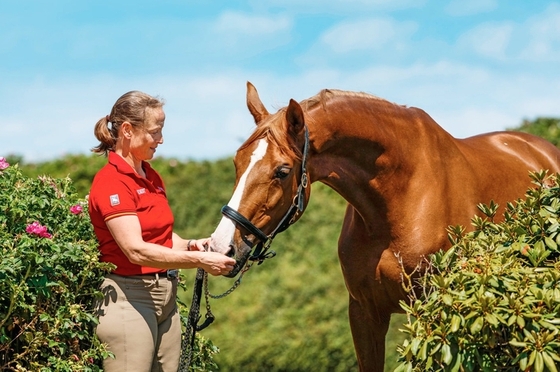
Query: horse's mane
x=275, y=134
x=326, y=95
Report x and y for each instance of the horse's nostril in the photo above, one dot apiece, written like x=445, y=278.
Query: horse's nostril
x=231, y=252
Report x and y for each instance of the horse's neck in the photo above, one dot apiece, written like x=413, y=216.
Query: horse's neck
x=365, y=154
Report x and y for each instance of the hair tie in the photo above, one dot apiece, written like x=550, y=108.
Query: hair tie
x=107, y=118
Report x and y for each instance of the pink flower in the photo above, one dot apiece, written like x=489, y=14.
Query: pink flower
x=76, y=209
x=3, y=163
x=37, y=229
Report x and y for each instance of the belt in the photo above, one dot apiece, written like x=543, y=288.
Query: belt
x=169, y=274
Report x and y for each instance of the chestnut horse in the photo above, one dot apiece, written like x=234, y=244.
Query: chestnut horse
x=405, y=180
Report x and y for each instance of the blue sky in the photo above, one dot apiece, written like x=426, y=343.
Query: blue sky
x=475, y=66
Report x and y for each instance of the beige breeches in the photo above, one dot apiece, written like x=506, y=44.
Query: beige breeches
x=139, y=321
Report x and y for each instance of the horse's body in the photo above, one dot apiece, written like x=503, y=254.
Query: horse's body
x=405, y=179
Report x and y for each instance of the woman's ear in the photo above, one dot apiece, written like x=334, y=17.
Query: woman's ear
x=126, y=130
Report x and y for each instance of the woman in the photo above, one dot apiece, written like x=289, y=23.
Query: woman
x=133, y=222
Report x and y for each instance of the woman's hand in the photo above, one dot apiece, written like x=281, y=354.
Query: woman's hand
x=216, y=263
x=198, y=244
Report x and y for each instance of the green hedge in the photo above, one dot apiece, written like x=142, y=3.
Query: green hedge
x=492, y=302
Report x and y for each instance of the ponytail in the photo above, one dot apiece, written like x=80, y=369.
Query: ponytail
x=106, y=138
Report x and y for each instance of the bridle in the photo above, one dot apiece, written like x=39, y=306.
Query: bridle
x=261, y=253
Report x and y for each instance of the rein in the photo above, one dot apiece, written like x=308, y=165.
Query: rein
x=192, y=326
x=298, y=204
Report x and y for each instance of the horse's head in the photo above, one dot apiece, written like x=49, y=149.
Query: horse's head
x=271, y=188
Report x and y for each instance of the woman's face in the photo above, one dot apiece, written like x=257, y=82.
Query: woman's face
x=146, y=139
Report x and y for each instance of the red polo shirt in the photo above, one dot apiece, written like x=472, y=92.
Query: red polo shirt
x=117, y=190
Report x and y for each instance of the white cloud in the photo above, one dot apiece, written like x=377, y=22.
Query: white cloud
x=470, y=121
x=366, y=34
x=490, y=40
x=253, y=25
x=337, y=6
x=544, y=36
x=537, y=39
x=242, y=35
x=356, y=44
x=470, y=7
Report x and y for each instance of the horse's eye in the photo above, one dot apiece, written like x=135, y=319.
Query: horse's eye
x=282, y=172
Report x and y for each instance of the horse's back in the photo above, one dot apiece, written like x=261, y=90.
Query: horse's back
x=496, y=166
x=509, y=151
x=492, y=167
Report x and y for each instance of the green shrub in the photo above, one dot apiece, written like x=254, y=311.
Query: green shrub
x=49, y=279
x=49, y=276
x=492, y=302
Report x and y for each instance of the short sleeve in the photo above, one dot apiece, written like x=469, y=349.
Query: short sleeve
x=113, y=199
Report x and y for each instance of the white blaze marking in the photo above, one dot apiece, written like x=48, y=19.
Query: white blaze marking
x=223, y=234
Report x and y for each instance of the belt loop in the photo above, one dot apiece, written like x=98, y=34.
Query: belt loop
x=157, y=279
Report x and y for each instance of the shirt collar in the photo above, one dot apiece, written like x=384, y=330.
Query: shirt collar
x=125, y=168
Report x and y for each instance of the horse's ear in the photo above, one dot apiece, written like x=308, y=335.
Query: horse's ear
x=294, y=118
x=254, y=104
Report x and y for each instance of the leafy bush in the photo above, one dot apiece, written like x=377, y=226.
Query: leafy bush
x=80, y=168
x=491, y=302
x=49, y=279
x=49, y=276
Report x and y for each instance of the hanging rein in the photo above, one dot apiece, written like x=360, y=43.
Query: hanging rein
x=259, y=254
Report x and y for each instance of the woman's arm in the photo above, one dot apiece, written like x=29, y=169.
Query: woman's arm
x=127, y=232
x=190, y=244
x=180, y=243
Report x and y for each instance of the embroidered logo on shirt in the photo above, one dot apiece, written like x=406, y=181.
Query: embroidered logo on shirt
x=114, y=200
x=141, y=191
x=160, y=188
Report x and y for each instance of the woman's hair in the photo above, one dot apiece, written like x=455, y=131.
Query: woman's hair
x=129, y=107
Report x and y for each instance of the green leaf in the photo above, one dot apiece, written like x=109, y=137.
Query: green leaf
x=415, y=344
x=446, y=356
x=523, y=361
x=549, y=362
x=491, y=318
x=550, y=243
x=539, y=363
x=518, y=343
x=520, y=322
x=476, y=326
x=532, y=358
x=423, y=351
x=455, y=323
